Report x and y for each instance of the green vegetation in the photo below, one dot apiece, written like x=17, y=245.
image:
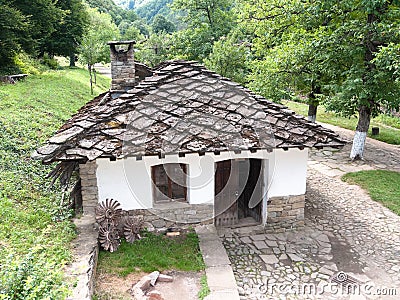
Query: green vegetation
x=153, y=252
x=205, y=290
x=34, y=229
x=383, y=186
x=37, y=27
x=389, y=127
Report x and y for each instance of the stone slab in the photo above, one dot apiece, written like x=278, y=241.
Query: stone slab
x=294, y=257
x=221, y=279
x=260, y=245
x=269, y=259
x=258, y=237
x=223, y=295
x=271, y=243
x=214, y=253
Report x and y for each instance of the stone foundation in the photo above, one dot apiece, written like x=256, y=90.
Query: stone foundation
x=175, y=214
x=285, y=213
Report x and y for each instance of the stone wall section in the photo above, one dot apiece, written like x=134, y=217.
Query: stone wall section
x=285, y=213
x=90, y=194
x=175, y=215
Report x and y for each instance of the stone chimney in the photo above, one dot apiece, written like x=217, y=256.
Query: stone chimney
x=122, y=65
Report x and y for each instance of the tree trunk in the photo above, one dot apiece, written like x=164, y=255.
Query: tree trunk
x=312, y=112
x=91, y=78
x=72, y=60
x=364, y=119
x=313, y=103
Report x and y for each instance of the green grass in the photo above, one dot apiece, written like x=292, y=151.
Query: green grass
x=34, y=230
x=204, y=290
x=383, y=186
x=389, y=127
x=153, y=253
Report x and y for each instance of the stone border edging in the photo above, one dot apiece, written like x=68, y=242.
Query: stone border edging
x=220, y=278
x=83, y=269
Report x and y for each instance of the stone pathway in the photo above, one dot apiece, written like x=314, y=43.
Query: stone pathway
x=345, y=231
x=378, y=155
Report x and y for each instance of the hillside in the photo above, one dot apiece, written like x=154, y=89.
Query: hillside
x=149, y=9
x=108, y=6
x=34, y=230
x=131, y=4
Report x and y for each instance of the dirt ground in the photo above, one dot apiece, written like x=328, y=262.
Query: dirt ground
x=186, y=285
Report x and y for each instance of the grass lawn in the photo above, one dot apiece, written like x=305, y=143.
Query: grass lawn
x=383, y=186
x=153, y=253
x=34, y=230
x=389, y=127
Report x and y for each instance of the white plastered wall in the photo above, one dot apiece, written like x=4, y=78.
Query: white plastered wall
x=129, y=180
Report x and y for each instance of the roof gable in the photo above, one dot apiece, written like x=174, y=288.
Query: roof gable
x=182, y=108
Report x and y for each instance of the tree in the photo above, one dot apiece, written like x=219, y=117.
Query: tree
x=14, y=27
x=368, y=31
x=337, y=48
x=68, y=33
x=293, y=50
x=132, y=34
x=43, y=17
x=93, y=48
x=161, y=24
x=230, y=56
x=207, y=21
x=155, y=49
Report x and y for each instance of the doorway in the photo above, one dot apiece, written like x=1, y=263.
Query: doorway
x=238, y=192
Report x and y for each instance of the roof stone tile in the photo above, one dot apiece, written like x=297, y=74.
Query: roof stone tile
x=182, y=108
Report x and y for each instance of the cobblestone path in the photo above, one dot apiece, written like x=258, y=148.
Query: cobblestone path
x=346, y=237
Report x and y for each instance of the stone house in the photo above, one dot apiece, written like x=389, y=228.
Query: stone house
x=181, y=144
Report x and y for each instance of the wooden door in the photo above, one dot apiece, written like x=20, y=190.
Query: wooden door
x=226, y=193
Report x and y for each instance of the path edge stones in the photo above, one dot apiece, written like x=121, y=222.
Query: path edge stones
x=220, y=277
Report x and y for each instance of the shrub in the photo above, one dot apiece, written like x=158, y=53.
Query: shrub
x=31, y=278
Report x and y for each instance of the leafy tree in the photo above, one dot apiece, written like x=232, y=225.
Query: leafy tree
x=369, y=33
x=142, y=26
x=155, y=49
x=93, y=48
x=207, y=21
x=109, y=7
x=293, y=49
x=161, y=24
x=132, y=34
x=230, y=56
x=43, y=17
x=69, y=32
x=14, y=27
x=329, y=47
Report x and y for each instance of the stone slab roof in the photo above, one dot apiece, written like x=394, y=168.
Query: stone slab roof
x=182, y=108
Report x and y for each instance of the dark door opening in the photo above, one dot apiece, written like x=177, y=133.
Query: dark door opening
x=238, y=183
x=251, y=181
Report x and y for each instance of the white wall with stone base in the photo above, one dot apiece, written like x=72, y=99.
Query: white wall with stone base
x=129, y=180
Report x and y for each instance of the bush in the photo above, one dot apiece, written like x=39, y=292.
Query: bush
x=31, y=278
x=50, y=62
x=26, y=64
